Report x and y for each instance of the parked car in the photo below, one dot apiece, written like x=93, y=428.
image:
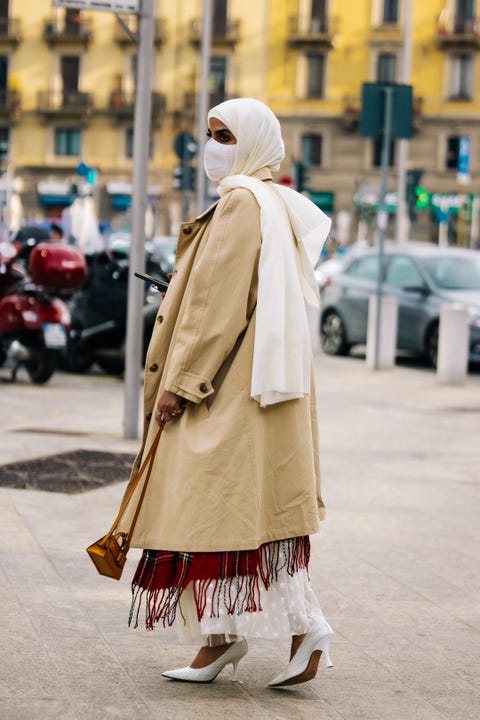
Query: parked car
x=326, y=269
x=422, y=277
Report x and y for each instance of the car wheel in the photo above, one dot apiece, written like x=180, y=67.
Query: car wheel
x=431, y=345
x=333, y=336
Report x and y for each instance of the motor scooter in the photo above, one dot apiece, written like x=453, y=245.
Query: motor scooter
x=34, y=321
x=99, y=309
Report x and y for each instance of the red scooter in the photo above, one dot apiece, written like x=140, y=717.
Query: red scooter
x=34, y=322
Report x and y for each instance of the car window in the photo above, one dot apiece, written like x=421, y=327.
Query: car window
x=365, y=268
x=454, y=273
x=402, y=272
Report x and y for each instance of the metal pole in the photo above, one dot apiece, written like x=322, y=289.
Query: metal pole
x=382, y=213
x=402, y=222
x=141, y=141
x=203, y=102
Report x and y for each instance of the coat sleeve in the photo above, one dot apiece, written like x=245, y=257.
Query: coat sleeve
x=219, y=299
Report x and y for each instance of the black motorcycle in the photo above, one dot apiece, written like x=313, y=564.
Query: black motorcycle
x=99, y=309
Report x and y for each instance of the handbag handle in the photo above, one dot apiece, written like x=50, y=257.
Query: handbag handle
x=148, y=461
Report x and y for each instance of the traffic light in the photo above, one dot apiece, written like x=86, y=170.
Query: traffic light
x=300, y=171
x=184, y=177
x=3, y=155
x=411, y=195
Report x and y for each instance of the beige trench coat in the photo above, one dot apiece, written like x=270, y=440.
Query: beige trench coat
x=228, y=475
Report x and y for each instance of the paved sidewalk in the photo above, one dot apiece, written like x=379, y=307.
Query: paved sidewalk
x=396, y=566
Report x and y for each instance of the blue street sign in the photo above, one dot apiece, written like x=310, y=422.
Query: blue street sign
x=83, y=169
x=463, y=161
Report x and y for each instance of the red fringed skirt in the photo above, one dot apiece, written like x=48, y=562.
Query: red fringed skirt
x=224, y=582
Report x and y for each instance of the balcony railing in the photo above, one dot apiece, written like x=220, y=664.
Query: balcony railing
x=222, y=35
x=351, y=112
x=318, y=31
x=122, y=106
x=122, y=37
x=10, y=30
x=457, y=32
x=10, y=103
x=66, y=103
x=74, y=33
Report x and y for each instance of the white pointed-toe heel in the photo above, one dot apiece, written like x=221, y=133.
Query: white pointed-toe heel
x=304, y=664
x=231, y=656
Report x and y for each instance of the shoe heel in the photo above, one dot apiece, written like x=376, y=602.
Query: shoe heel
x=235, y=668
x=324, y=646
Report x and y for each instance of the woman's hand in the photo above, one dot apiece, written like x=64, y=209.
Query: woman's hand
x=169, y=407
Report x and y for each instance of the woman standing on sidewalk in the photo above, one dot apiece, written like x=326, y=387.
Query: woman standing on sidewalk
x=235, y=489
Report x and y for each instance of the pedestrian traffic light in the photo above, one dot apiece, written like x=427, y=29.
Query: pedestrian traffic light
x=300, y=171
x=3, y=155
x=413, y=178
x=184, y=177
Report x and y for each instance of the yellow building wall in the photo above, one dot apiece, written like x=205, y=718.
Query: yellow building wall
x=261, y=65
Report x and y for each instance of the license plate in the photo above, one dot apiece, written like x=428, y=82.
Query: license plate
x=54, y=335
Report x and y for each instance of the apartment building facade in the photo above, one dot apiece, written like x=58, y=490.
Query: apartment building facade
x=67, y=81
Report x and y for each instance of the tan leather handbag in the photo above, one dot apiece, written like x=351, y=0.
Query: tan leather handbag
x=109, y=554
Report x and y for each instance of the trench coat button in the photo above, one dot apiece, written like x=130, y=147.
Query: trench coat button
x=153, y=367
x=203, y=388
x=148, y=417
x=187, y=230
x=160, y=319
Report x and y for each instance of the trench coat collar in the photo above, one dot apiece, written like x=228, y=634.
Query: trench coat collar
x=262, y=174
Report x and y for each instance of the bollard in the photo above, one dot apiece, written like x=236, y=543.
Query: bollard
x=453, y=345
x=387, y=341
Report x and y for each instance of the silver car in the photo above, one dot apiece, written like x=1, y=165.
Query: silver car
x=421, y=276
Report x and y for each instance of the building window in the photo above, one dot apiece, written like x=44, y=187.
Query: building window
x=461, y=76
x=386, y=67
x=218, y=79
x=390, y=12
x=312, y=149
x=72, y=22
x=377, y=152
x=464, y=16
x=451, y=158
x=315, y=75
x=129, y=143
x=318, y=18
x=67, y=142
x=220, y=19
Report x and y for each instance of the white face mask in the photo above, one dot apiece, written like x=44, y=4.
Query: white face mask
x=218, y=159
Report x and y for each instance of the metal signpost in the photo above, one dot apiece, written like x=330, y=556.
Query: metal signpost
x=386, y=114
x=143, y=99
x=402, y=224
x=203, y=102
x=141, y=142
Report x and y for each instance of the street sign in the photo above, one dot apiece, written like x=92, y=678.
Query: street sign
x=372, y=118
x=115, y=6
x=463, y=161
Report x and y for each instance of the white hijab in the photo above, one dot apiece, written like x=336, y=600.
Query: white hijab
x=282, y=351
